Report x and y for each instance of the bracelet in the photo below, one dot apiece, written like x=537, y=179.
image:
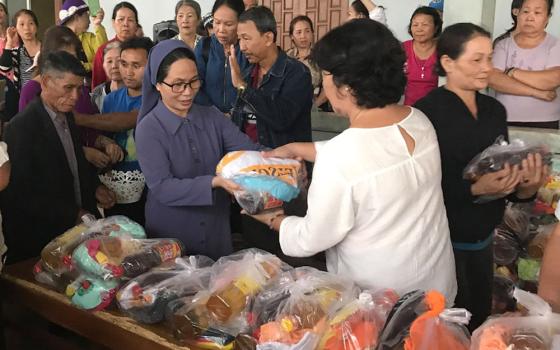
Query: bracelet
x=509, y=71
x=271, y=221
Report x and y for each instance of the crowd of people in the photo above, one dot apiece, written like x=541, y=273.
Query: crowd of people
x=128, y=127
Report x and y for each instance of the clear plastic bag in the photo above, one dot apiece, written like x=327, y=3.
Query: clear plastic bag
x=502, y=295
x=222, y=312
x=108, y=257
x=514, y=331
x=92, y=293
x=356, y=326
x=57, y=255
x=506, y=247
x=419, y=321
x=301, y=319
x=145, y=297
x=495, y=157
x=266, y=182
x=517, y=221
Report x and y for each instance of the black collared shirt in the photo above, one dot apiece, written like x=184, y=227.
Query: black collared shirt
x=461, y=137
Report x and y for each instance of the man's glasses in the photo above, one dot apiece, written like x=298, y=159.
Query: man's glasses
x=180, y=87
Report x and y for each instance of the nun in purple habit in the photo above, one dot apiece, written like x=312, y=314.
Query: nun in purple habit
x=178, y=151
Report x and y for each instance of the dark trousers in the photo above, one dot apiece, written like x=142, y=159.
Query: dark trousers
x=475, y=277
x=541, y=125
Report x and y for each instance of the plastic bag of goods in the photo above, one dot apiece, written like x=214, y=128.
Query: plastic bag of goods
x=506, y=247
x=495, y=157
x=55, y=268
x=301, y=320
x=420, y=321
x=502, y=295
x=356, y=325
x=108, y=257
x=223, y=309
x=517, y=221
x=537, y=330
x=92, y=294
x=266, y=182
x=57, y=255
x=145, y=298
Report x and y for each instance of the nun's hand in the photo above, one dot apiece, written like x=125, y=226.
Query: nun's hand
x=236, y=76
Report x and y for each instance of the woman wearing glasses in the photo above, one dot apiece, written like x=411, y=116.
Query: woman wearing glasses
x=178, y=146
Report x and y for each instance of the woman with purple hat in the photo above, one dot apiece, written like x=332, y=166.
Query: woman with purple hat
x=75, y=15
x=178, y=144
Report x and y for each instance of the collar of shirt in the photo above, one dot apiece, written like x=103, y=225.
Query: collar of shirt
x=278, y=69
x=55, y=117
x=172, y=122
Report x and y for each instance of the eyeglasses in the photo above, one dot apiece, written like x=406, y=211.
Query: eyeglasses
x=180, y=87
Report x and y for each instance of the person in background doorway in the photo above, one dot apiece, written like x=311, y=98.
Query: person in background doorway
x=187, y=16
x=424, y=27
x=125, y=24
x=526, y=72
x=367, y=9
x=4, y=22
x=302, y=34
x=206, y=26
x=75, y=15
x=466, y=123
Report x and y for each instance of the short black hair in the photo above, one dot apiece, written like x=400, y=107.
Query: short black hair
x=452, y=42
x=263, y=18
x=429, y=11
x=364, y=55
x=62, y=62
x=300, y=18
x=550, y=6
x=236, y=5
x=172, y=57
x=125, y=5
x=137, y=43
x=360, y=8
x=25, y=12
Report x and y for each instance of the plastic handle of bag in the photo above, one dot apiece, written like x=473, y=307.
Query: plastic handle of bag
x=459, y=316
x=532, y=302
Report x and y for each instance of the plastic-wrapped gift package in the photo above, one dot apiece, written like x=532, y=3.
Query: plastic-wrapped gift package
x=419, y=321
x=301, y=319
x=495, y=157
x=219, y=314
x=145, y=298
x=108, y=257
x=56, y=281
x=266, y=182
x=517, y=220
x=57, y=255
x=537, y=330
x=92, y=293
x=356, y=325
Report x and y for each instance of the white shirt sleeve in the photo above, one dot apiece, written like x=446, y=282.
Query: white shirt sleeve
x=3, y=153
x=378, y=14
x=330, y=215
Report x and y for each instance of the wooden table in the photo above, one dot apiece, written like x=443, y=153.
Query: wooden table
x=107, y=328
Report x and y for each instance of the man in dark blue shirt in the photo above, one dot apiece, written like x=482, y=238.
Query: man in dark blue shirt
x=275, y=95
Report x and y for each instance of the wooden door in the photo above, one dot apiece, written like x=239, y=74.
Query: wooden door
x=325, y=14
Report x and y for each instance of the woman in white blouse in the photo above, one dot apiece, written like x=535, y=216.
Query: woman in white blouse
x=375, y=202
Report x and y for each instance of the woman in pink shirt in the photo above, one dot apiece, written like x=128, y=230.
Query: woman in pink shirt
x=425, y=26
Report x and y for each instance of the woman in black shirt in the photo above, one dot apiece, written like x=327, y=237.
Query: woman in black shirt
x=466, y=123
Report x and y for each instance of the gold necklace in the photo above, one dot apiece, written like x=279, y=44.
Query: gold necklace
x=358, y=115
